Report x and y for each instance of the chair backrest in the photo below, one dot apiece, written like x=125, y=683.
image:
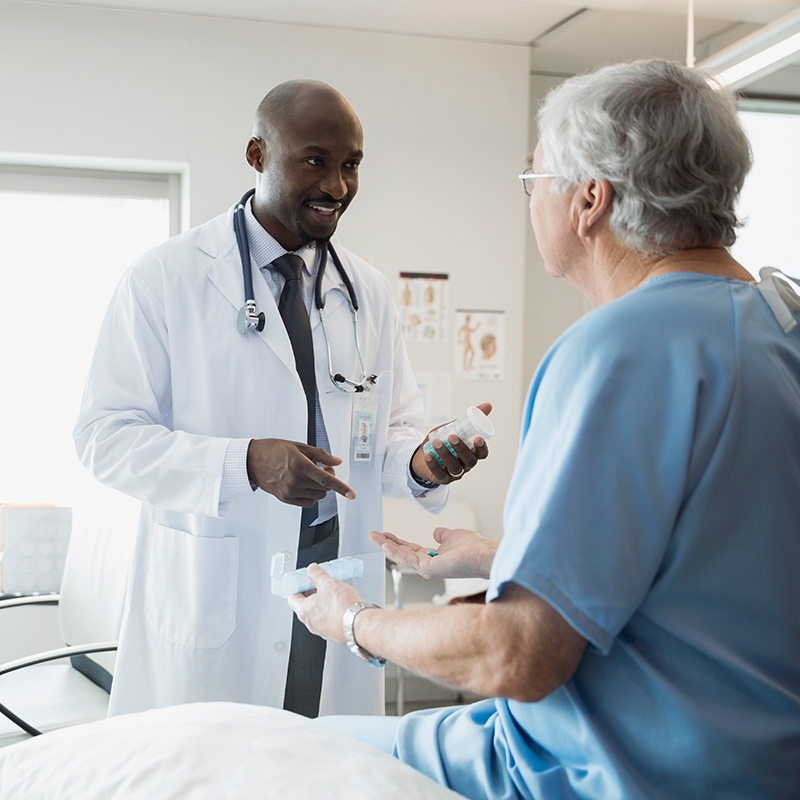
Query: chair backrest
x=93, y=591
x=33, y=545
x=407, y=520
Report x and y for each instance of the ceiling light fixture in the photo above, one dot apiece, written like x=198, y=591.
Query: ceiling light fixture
x=759, y=54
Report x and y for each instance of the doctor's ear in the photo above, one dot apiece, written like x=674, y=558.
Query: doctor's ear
x=254, y=153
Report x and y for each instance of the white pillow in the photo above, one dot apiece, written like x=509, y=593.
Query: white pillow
x=210, y=751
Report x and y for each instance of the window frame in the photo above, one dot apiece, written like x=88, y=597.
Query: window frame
x=78, y=175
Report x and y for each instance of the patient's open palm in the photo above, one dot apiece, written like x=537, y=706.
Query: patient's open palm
x=461, y=553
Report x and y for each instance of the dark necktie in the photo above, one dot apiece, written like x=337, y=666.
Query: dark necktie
x=307, y=653
x=295, y=318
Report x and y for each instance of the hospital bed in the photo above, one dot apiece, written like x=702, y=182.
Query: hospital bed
x=207, y=751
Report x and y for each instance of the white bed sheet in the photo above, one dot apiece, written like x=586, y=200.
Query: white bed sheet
x=206, y=751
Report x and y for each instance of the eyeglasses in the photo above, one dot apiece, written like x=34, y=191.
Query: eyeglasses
x=529, y=177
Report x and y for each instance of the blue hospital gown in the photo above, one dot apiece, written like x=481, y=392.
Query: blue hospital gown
x=655, y=504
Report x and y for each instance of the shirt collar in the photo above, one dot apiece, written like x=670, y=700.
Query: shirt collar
x=264, y=248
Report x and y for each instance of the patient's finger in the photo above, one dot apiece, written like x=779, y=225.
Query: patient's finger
x=380, y=538
x=319, y=577
x=398, y=550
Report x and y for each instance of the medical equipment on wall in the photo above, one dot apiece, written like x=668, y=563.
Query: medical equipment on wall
x=473, y=423
x=251, y=319
x=286, y=583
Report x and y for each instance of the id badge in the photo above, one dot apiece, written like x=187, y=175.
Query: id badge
x=362, y=429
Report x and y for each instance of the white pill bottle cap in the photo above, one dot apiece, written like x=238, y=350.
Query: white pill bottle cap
x=479, y=423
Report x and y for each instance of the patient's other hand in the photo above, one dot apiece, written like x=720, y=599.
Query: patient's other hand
x=462, y=553
x=322, y=609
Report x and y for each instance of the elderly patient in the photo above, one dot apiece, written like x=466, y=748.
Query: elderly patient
x=641, y=636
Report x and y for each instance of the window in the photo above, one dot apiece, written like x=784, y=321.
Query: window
x=770, y=202
x=68, y=234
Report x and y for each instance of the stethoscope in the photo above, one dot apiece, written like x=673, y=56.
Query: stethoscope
x=251, y=319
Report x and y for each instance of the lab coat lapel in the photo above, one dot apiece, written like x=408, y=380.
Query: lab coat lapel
x=225, y=272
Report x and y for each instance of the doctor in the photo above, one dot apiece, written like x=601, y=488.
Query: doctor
x=207, y=423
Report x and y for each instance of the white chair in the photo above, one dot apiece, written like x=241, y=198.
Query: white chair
x=43, y=692
x=407, y=520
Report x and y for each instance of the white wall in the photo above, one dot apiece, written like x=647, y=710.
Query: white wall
x=446, y=130
x=551, y=304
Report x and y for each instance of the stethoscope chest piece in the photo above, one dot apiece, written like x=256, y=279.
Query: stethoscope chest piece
x=250, y=318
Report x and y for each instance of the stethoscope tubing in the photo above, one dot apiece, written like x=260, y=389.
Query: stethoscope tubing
x=243, y=245
x=250, y=317
x=247, y=270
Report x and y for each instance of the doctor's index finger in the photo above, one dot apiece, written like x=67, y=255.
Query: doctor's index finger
x=320, y=456
x=325, y=478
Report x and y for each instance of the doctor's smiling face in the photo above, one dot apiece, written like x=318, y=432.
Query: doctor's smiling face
x=306, y=150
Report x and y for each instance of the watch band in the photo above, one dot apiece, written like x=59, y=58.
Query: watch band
x=347, y=623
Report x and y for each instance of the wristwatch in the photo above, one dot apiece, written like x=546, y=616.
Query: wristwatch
x=347, y=623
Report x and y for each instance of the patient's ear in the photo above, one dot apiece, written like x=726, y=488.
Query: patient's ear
x=591, y=203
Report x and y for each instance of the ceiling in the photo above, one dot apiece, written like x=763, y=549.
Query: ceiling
x=564, y=36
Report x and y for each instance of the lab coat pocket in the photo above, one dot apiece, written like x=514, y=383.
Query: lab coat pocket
x=191, y=587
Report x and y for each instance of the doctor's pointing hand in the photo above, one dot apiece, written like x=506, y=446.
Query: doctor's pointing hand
x=289, y=471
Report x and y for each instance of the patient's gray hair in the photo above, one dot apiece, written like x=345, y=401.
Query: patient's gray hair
x=670, y=145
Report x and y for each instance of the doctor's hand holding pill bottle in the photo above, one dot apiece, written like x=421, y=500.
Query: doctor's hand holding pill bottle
x=449, y=451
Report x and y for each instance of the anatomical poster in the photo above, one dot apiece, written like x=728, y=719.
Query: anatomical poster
x=480, y=345
x=423, y=306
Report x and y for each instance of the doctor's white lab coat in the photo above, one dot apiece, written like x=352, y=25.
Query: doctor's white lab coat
x=171, y=383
